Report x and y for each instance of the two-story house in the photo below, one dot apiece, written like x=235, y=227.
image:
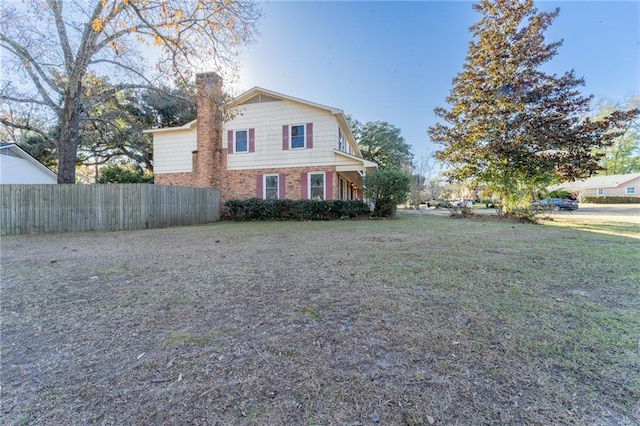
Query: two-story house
x=275, y=146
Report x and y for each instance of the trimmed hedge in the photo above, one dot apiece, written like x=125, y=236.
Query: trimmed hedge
x=258, y=209
x=611, y=199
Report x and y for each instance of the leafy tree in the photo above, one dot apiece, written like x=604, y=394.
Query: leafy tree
x=115, y=132
x=39, y=148
x=623, y=156
x=386, y=188
x=170, y=107
x=355, y=125
x=115, y=173
x=46, y=67
x=510, y=125
x=382, y=143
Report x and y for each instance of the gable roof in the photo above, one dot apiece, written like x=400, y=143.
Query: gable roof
x=187, y=126
x=19, y=152
x=280, y=96
x=273, y=96
x=600, y=181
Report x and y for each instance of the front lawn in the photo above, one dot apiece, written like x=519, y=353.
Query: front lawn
x=418, y=320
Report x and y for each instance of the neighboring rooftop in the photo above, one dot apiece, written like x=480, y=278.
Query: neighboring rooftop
x=599, y=181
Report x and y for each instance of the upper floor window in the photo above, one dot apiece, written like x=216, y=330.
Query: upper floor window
x=342, y=141
x=241, y=141
x=630, y=190
x=297, y=136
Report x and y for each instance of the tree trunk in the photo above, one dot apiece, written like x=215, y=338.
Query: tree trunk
x=69, y=133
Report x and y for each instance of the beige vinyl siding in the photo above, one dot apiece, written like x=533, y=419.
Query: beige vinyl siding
x=172, y=151
x=267, y=119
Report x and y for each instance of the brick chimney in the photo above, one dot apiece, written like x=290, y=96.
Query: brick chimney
x=210, y=160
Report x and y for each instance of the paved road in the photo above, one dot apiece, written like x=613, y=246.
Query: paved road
x=628, y=213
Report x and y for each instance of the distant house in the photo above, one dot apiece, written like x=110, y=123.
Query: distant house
x=614, y=185
x=275, y=147
x=17, y=166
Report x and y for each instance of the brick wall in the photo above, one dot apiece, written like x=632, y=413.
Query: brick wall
x=175, y=179
x=243, y=183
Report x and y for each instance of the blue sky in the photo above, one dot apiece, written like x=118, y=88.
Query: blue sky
x=394, y=61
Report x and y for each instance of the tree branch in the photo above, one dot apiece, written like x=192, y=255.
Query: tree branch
x=28, y=128
x=56, y=9
x=30, y=64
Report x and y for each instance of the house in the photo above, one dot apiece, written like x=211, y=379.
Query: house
x=274, y=147
x=18, y=166
x=614, y=185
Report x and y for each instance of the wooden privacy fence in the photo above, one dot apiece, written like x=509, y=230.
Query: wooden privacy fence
x=108, y=207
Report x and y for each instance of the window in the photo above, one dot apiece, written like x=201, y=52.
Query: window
x=297, y=136
x=630, y=190
x=316, y=186
x=241, y=142
x=343, y=189
x=342, y=141
x=271, y=187
x=600, y=191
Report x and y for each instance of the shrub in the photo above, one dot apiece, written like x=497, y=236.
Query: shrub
x=611, y=199
x=386, y=189
x=114, y=173
x=258, y=209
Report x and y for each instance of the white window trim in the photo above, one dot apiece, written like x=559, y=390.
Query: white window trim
x=630, y=190
x=600, y=191
x=324, y=184
x=304, y=139
x=264, y=185
x=235, y=132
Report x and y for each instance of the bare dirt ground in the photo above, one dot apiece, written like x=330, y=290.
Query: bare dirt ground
x=387, y=322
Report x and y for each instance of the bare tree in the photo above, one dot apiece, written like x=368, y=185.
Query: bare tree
x=53, y=49
x=423, y=171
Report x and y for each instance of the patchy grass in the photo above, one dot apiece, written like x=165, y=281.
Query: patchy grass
x=612, y=228
x=418, y=320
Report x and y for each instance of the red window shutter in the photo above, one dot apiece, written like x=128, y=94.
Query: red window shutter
x=285, y=137
x=230, y=141
x=259, y=191
x=282, y=186
x=328, y=185
x=252, y=140
x=304, y=192
x=309, y=135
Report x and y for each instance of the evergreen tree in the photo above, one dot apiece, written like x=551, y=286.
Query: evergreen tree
x=510, y=125
x=382, y=143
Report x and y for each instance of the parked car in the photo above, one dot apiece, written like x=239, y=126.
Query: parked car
x=555, y=204
x=437, y=202
x=459, y=203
